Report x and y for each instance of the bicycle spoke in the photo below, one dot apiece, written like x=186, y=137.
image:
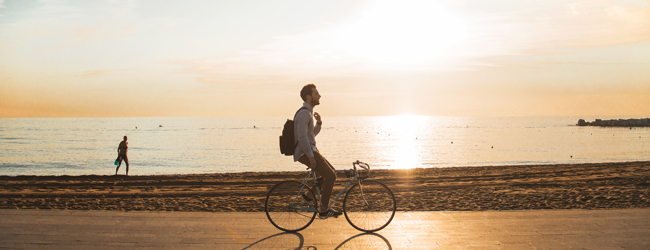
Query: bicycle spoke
x=369, y=207
x=286, y=209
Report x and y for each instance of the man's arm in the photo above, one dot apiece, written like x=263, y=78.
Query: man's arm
x=317, y=127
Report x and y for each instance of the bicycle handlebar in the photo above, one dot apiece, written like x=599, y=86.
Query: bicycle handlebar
x=362, y=165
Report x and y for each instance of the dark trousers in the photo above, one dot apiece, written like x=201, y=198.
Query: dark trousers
x=325, y=170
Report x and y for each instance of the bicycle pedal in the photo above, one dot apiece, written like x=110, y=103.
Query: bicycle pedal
x=306, y=198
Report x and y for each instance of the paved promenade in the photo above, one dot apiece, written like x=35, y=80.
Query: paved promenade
x=540, y=229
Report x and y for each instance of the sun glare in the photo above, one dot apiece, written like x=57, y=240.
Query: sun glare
x=407, y=32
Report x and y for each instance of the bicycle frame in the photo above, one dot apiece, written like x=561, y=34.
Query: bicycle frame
x=312, y=175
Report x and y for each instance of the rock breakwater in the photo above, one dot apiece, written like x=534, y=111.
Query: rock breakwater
x=644, y=122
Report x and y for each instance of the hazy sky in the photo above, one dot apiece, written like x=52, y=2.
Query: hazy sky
x=250, y=58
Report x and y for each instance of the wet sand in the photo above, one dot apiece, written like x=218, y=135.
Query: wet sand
x=578, y=186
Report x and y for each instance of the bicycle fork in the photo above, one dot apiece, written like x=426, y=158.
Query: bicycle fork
x=363, y=196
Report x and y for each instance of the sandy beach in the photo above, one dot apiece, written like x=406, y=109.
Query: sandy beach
x=579, y=186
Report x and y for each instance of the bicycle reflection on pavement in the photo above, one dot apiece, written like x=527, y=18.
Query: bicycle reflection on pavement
x=366, y=241
x=296, y=241
x=282, y=241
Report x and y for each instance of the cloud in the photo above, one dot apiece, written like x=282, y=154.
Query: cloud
x=574, y=24
x=54, y=25
x=96, y=73
x=602, y=24
x=388, y=38
x=425, y=37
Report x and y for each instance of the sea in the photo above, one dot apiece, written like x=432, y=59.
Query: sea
x=199, y=145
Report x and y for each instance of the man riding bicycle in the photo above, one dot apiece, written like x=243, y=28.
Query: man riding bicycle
x=306, y=152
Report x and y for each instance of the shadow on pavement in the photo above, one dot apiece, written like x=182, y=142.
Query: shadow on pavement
x=282, y=240
x=366, y=241
x=296, y=241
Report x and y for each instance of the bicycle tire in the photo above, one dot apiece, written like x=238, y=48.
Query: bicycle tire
x=282, y=214
x=373, y=214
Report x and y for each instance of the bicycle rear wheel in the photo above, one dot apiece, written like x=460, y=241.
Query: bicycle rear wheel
x=287, y=209
x=369, y=207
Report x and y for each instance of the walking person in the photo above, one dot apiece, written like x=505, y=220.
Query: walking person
x=121, y=155
x=306, y=152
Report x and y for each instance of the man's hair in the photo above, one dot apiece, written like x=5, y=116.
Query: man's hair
x=125, y=137
x=307, y=90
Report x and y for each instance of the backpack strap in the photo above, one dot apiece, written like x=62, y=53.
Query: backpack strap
x=294, y=116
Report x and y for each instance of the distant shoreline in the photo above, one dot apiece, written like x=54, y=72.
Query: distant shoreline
x=558, y=186
x=644, y=122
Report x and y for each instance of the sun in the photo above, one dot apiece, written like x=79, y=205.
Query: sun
x=407, y=32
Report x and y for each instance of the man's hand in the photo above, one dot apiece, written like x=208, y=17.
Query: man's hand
x=317, y=116
x=312, y=161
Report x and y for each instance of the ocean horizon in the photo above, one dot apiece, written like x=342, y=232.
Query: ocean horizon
x=198, y=145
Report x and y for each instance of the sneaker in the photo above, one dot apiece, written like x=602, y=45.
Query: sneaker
x=329, y=213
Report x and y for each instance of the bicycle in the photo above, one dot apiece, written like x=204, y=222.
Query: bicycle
x=368, y=205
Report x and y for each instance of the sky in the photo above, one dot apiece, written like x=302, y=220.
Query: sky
x=124, y=58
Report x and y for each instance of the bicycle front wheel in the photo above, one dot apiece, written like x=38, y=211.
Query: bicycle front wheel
x=287, y=209
x=369, y=207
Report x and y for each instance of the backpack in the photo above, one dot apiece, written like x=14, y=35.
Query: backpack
x=287, y=139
